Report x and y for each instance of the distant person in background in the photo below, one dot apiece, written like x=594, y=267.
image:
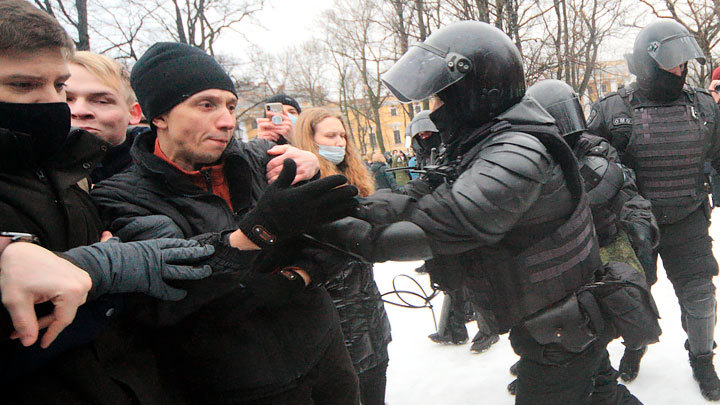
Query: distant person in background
x=400, y=160
x=715, y=82
x=280, y=133
x=365, y=324
x=425, y=137
x=383, y=178
x=103, y=103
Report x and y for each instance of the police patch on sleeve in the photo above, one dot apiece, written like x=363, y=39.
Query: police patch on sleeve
x=593, y=114
x=622, y=121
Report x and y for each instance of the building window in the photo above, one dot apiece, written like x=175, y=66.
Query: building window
x=373, y=140
x=396, y=134
x=418, y=108
x=393, y=111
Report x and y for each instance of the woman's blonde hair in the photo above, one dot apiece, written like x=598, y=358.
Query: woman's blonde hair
x=352, y=167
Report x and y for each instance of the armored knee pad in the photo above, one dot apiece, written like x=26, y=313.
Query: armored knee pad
x=696, y=296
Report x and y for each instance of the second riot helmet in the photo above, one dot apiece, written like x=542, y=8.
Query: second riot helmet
x=660, y=47
x=561, y=101
x=473, y=67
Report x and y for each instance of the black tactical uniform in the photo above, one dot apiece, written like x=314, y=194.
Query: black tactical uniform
x=626, y=227
x=665, y=132
x=457, y=308
x=511, y=216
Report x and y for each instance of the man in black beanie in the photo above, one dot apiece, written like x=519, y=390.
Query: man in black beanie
x=272, y=336
x=279, y=133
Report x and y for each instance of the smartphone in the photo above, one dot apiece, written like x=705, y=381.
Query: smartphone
x=274, y=108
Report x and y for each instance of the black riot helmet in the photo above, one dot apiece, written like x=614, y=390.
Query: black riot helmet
x=473, y=67
x=560, y=100
x=659, y=47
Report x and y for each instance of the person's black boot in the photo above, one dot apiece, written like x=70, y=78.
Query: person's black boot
x=449, y=338
x=512, y=387
x=483, y=342
x=514, y=368
x=630, y=364
x=704, y=373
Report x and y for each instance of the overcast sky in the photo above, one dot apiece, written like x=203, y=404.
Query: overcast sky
x=282, y=23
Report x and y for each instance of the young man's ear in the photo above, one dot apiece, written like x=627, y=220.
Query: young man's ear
x=135, y=114
x=160, y=122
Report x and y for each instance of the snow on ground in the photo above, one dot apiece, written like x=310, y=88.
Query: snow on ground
x=422, y=372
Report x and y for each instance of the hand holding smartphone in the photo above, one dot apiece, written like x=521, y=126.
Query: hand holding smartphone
x=277, y=109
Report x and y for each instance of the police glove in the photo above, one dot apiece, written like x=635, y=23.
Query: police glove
x=641, y=239
x=322, y=264
x=141, y=266
x=284, y=211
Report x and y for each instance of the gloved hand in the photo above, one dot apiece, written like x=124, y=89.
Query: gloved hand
x=284, y=211
x=141, y=266
x=641, y=239
x=322, y=264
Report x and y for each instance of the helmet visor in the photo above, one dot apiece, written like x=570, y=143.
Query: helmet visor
x=423, y=71
x=675, y=51
x=568, y=116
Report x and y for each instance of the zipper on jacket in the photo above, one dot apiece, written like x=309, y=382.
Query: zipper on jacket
x=208, y=180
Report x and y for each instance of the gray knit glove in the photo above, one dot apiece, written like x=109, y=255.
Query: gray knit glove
x=143, y=266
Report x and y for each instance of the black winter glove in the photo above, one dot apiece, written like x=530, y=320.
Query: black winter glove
x=322, y=264
x=284, y=211
x=141, y=266
x=641, y=239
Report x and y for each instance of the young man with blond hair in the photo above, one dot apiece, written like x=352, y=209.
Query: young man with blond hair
x=103, y=103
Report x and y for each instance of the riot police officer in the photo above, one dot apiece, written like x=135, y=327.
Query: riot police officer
x=507, y=211
x=626, y=227
x=425, y=137
x=665, y=131
x=456, y=308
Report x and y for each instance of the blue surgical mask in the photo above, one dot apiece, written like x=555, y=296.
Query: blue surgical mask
x=293, y=118
x=335, y=154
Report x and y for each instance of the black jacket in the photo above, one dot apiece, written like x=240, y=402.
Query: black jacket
x=47, y=201
x=495, y=223
x=209, y=344
x=117, y=158
x=383, y=178
x=364, y=322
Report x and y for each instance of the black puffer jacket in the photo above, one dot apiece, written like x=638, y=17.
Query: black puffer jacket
x=364, y=322
x=210, y=345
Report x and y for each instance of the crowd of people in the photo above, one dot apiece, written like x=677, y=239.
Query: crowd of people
x=149, y=257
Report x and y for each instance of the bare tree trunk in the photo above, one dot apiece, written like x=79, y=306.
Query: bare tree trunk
x=83, y=43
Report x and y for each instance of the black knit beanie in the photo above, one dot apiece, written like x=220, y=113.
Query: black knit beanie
x=170, y=72
x=284, y=99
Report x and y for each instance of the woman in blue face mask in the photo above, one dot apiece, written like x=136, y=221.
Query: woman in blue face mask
x=362, y=315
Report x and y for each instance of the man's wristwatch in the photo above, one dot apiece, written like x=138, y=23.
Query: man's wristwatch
x=7, y=238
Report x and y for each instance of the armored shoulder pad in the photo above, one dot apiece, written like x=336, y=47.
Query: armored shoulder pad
x=613, y=94
x=520, y=153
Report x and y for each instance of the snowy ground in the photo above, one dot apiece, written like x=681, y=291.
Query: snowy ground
x=422, y=372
